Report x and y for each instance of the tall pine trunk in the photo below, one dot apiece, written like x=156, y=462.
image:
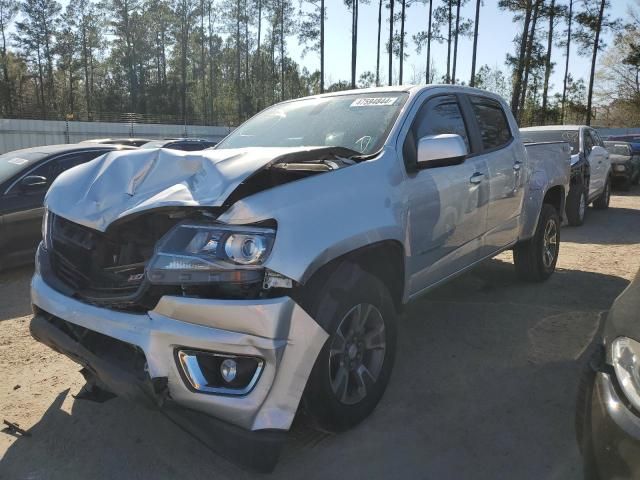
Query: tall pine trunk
x=391, y=2
x=547, y=62
x=282, y=89
x=404, y=2
x=455, y=44
x=527, y=65
x=472, y=81
x=378, y=50
x=5, y=68
x=448, y=78
x=596, y=45
x=566, y=65
x=322, y=45
x=354, y=41
x=238, y=62
x=428, y=69
x=517, y=77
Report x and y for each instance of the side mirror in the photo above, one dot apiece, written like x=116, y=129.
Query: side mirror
x=598, y=151
x=441, y=150
x=33, y=182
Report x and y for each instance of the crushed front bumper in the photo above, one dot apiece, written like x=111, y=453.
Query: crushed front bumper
x=614, y=433
x=278, y=331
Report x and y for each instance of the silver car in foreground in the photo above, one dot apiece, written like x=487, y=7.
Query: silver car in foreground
x=230, y=287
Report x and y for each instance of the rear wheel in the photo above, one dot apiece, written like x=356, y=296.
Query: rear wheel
x=576, y=205
x=353, y=368
x=535, y=259
x=602, y=202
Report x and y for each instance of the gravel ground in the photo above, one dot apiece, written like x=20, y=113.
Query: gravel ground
x=483, y=388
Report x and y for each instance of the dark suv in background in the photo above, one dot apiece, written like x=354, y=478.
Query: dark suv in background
x=590, y=166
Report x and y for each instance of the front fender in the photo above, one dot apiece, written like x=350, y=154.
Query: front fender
x=327, y=215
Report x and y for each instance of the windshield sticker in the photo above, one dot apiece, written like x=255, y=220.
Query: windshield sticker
x=374, y=102
x=18, y=160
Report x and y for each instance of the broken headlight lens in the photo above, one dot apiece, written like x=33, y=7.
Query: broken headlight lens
x=203, y=253
x=626, y=361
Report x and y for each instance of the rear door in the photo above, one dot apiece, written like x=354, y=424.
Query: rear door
x=447, y=205
x=503, y=157
x=23, y=204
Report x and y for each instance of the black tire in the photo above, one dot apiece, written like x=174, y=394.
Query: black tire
x=535, y=259
x=575, y=210
x=346, y=288
x=583, y=430
x=602, y=202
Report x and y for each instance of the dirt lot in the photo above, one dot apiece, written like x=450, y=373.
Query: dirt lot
x=484, y=384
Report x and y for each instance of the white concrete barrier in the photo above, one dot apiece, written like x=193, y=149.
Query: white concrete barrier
x=17, y=134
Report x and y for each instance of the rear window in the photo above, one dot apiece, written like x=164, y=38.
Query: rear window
x=494, y=127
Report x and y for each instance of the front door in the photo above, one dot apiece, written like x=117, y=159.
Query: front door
x=447, y=206
x=596, y=165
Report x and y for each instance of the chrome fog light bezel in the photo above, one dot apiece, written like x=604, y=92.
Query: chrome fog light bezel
x=195, y=380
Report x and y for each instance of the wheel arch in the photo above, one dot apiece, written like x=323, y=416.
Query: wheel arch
x=556, y=196
x=384, y=259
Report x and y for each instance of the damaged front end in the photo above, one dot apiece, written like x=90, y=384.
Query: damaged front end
x=163, y=304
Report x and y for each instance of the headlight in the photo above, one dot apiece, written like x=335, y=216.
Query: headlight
x=619, y=168
x=626, y=361
x=199, y=253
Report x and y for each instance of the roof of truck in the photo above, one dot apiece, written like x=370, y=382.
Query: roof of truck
x=411, y=89
x=554, y=127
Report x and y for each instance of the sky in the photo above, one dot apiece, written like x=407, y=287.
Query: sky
x=495, y=40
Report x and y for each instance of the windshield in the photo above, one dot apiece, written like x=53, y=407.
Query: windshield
x=618, y=149
x=359, y=122
x=14, y=162
x=572, y=137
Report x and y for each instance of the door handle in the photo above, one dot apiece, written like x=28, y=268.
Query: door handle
x=517, y=165
x=476, y=178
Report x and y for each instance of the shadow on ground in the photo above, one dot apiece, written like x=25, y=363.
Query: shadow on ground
x=14, y=297
x=614, y=226
x=484, y=387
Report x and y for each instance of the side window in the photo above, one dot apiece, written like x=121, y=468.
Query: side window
x=493, y=124
x=598, y=139
x=440, y=115
x=69, y=161
x=54, y=167
x=588, y=142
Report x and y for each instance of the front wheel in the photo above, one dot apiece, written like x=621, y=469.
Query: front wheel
x=602, y=202
x=535, y=259
x=353, y=368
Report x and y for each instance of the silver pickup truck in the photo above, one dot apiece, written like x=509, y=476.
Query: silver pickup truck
x=231, y=286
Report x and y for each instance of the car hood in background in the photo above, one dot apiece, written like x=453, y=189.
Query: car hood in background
x=619, y=158
x=119, y=184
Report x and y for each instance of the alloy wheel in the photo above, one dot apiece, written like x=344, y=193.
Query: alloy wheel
x=550, y=243
x=356, y=354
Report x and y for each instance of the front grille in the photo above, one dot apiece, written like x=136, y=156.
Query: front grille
x=106, y=268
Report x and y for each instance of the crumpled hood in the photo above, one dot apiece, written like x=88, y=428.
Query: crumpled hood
x=120, y=183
